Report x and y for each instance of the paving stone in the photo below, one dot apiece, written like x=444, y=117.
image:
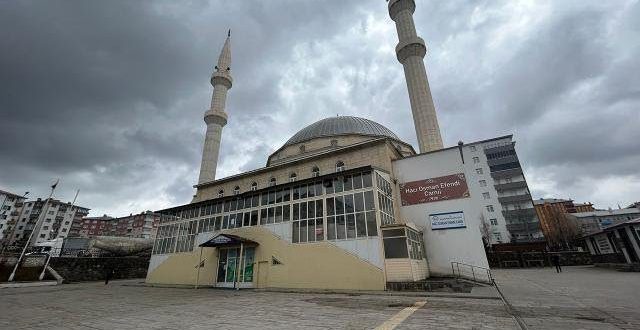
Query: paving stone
x=579, y=298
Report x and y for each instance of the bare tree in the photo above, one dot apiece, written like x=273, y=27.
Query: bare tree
x=485, y=230
x=561, y=230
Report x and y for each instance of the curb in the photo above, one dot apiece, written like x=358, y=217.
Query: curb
x=6, y=285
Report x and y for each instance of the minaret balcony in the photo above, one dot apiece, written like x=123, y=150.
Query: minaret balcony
x=413, y=46
x=396, y=6
x=222, y=78
x=215, y=117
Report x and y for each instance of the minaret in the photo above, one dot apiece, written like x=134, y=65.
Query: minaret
x=410, y=52
x=215, y=117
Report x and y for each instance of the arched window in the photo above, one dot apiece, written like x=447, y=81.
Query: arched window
x=315, y=172
x=220, y=193
x=292, y=177
x=339, y=166
x=302, y=148
x=334, y=143
x=236, y=190
x=254, y=186
x=272, y=182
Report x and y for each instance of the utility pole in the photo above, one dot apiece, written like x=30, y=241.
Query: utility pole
x=42, y=215
x=57, y=232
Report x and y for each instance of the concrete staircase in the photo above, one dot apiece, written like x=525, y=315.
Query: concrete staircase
x=436, y=284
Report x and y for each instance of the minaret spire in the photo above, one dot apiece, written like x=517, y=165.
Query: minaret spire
x=224, y=61
x=410, y=52
x=216, y=117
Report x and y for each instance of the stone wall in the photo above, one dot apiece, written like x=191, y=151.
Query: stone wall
x=610, y=258
x=94, y=269
x=29, y=270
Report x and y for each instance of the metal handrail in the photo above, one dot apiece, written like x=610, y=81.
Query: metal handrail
x=456, y=265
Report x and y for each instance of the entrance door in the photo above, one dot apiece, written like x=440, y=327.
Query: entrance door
x=231, y=267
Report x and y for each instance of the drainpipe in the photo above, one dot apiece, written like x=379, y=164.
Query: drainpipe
x=199, y=264
x=460, y=144
x=236, y=283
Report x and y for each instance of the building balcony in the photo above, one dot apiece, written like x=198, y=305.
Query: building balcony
x=499, y=149
x=502, y=160
x=521, y=213
x=506, y=173
x=523, y=227
x=516, y=227
x=515, y=199
x=511, y=185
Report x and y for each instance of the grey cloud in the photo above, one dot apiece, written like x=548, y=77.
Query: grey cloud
x=109, y=96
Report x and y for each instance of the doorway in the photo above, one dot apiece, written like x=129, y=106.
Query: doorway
x=235, y=270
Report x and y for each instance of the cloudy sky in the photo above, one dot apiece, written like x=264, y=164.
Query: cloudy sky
x=109, y=96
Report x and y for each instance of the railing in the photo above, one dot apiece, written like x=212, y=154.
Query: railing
x=467, y=271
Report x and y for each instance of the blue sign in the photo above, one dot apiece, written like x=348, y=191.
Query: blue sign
x=447, y=220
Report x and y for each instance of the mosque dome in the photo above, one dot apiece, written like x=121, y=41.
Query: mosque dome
x=341, y=125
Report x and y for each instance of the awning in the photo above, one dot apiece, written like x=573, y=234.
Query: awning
x=227, y=240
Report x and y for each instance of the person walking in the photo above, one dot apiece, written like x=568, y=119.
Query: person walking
x=555, y=260
x=108, y=272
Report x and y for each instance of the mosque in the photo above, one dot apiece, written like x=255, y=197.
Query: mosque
x=344, y=203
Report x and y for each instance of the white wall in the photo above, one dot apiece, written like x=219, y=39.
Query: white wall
x=443, y=246
x=473, y=180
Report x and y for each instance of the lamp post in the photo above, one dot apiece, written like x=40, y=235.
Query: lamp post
x=26, y=245
x=8, y=238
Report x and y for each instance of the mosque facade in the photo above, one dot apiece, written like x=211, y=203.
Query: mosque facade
x=345, y=203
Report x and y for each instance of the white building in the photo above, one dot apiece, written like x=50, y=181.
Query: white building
x=52, y=222
x=345, y=203
x=508, y=207
x=10, y=208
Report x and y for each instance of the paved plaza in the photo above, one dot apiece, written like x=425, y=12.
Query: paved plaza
x=579, y=298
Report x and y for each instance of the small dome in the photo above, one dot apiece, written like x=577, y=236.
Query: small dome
x=341, y=125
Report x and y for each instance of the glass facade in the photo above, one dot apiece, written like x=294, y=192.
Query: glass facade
x=385, y=200
x=403, y=242
x=338, y=207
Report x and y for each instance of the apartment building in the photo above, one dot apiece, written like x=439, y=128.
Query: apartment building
x=548, y=208
x=10, y=208
x=49, y=220
x=143, y=225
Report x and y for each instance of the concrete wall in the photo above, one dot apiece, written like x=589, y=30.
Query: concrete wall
x=506, y=259
x=320, y=265
x=406, y=270
x=443, y=246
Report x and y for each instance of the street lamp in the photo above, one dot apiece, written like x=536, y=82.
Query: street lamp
x=26, y=245
x=46, y=264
